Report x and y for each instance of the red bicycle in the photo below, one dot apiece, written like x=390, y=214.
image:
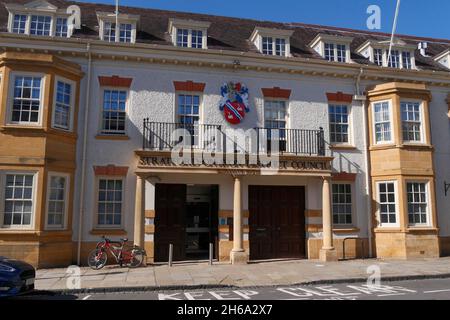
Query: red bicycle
x=132, y=256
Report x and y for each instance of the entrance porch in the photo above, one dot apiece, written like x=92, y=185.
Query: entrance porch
x=257, y=211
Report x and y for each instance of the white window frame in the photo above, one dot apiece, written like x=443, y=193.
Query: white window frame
x=397, y=206
x=408, y=65
x=428, y=203
x=67, y=26
x=286, y=121
x=130, y=38
x=12, y=19
x=380, y=61
x=3, y=175
x=197, y=37
x=422, y=119
x=350, y=122
x=282, y=47
x=96, y=201
x=51, y=27
x=72, y=102
x=274, y=46
x=11, y=98
x=286, y=105
x=321, y=40
x=391, y=114
x=53, y=20
x=189, y=37
x=270, y=46
x=103, y=132
x=353, y=203
x=335, y=51
x=176, y=114
x=394, y=59
x=66, y=200
x=184, y=33
x=117, y=30
x=385, y=62
x=188, y=93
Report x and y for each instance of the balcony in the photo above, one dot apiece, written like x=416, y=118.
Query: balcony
x=159, y=136
x=212, y=149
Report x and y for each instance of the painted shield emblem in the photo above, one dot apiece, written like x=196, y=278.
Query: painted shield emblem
x=234, y=102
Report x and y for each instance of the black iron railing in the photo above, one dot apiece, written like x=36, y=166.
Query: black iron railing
x=165, y=136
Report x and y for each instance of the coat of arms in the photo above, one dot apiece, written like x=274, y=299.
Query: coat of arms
x=234, y=102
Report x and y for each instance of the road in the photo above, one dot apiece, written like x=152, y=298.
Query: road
x=436, y=289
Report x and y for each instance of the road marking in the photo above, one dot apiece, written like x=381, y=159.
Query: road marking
x=87, y=297
x=391, y=294
x=437, y=291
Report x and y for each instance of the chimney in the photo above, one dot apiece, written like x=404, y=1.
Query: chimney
x=423, y=46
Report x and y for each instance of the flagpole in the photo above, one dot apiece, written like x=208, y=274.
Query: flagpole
x=117, y=16
x=394, y=27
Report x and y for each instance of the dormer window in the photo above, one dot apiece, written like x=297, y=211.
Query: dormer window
x=444, y=58
x=272, y=41
x=40, y=25
x=274, y=46
x=197, y=39
x=336, y=52
x=62, y=29
x=20, y=23
x=402, y=55
x=188, y=38
x=332, y=48
x=39, y=18
x=125, y=33
x=189, y=33
x=183, y=38
x=378, y=56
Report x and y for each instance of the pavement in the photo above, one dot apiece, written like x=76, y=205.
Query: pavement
x=200, y=275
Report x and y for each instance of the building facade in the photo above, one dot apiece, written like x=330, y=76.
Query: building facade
x=266, y=140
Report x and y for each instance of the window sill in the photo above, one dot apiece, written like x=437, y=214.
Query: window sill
x=18, y=231
x=14, y=127
x=111, y=137
x=422, y=229
x=382, y=146
x=388, y=230
x=416, y=145
x=346, y=230
x=112, y=232
x=342, y=147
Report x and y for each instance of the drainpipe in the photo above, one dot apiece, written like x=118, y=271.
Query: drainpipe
x=367, y=162
x=83, y=165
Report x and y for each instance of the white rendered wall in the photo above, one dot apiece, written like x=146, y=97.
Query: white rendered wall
x=152, y=95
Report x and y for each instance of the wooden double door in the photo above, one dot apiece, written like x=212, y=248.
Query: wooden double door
x=277, y=222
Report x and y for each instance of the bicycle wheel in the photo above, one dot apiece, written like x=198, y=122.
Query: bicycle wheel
x=97, y=259
x=137, y=259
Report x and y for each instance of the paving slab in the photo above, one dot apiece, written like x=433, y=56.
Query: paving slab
x=255, y=274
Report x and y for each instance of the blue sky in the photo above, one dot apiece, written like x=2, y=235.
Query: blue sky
x=417, y=17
